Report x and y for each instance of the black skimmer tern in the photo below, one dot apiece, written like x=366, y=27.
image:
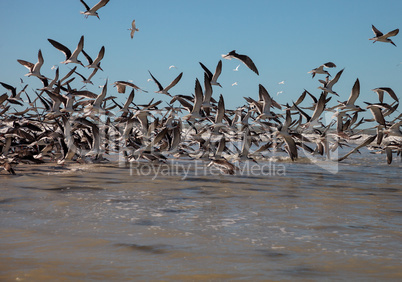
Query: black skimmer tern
x=93, y=11
x=243, y=58
x=70, y=57
x=133, y=29
x=379, y=36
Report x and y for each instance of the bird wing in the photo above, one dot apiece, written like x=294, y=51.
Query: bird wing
x=99, y=5
x=392, y=33
x=89, y=59
x=207, y=71
x=329, y=65
x=390, y=92
x=198, y=97
x=156, y=81
x=365, y=143
x=218, y=71
x=319, y=108
x=39, y=64
x=11, y=88
x=26, y=64
x=335, y=79
x=208, y=89
x=79, y=48
x=301, y=98
x=100, y=56
x=354, y=94
x=174, y=82
x=102, y=96
x=121, y=88
x=378, y=116
x=220, y=112
x=377, y=33
x=92, y=74
x=61, y=47
x=267, y=101
x=85, y=4
x=68, y=74
x=247, y=61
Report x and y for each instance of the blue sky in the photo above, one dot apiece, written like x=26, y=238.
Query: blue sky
x=285, y=39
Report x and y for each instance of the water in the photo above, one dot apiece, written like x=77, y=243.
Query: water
x=107, y=222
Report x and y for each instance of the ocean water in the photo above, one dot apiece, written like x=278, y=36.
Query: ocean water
x=271, y=221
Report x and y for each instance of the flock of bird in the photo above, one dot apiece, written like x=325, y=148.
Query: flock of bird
x=62, y=123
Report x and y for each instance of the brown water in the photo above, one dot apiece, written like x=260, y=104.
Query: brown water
x=108, y=222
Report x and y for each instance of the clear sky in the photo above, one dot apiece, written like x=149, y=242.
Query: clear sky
x=285, y=39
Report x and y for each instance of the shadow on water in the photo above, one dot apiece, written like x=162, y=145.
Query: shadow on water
x=152, y=249
x=272, y=255
x=68, y=188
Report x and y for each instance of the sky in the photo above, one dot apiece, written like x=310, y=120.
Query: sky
x=285, y=39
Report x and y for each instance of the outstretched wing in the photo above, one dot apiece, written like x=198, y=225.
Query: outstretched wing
x=61, y=47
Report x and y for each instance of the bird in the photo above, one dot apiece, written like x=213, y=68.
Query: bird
x=349, y=105
x=70, y=57
x=7, y=167
x=213, y=77
x=224, y=166
x=234, y=83
x=121, y=86
x=34, y=69
x=243, y=58
x=93, y=11
x=95, y=64
x=167, y=88
x=380, y=91
x=379, y=36
x=237, y=68
x=320, y=69
x=87, y=80
x=172, y=66
x=327, y=85
x=282, y=82
x=133, y=29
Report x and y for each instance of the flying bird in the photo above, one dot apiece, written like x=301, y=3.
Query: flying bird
x=213, y=77
x=121, y=86
x=237, y=68
x=70, y=57
x=93, y=11
x=327, y=85
x=133, y=29
x=95, y=64
x=243, y=58
x=320, y=69
x=167, y=88
x=380, y=91
x=34, y=69
x=379, y=36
